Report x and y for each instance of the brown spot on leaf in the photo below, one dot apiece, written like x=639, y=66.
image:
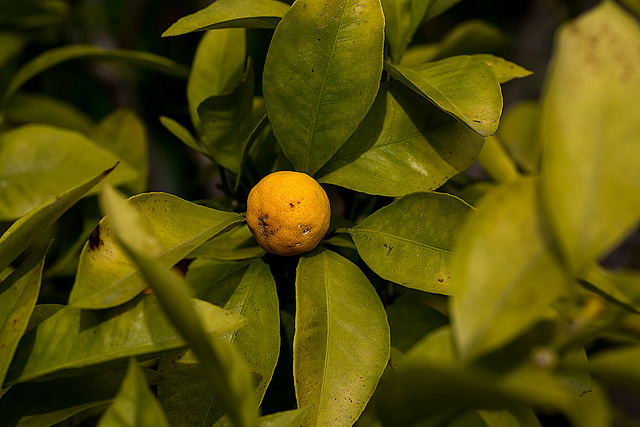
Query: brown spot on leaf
x=94, y=239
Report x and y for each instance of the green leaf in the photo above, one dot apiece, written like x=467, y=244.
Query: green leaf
x=291, y=418
x=519, y=134
x=123, y=133
x=341, y=341
x=217, y=67
x=18, y=295
x=182, y=134
x=231, y=13
x=237, y=244
x=107, y=277
x=227, y=120
x=45, y=109
x=496, y=162
x=462, y=86
x=204, y=273
x=505, y=272
x=185, y=394
x=503, y=69
x=37, y=162
x=58, y=55
x=32, y=15
x=621, y=287
x=619, y=365
x=76, y=338
x=468, y=37
x=135, y=405
x=12, y=44
x=223, y=365
x=405, y=144
x=591, y=173
x=402, y=19
x=29, y=227
x=411, y=318
x=321, y=76
x=46, y=403
x=431, y=390
x=411, y=241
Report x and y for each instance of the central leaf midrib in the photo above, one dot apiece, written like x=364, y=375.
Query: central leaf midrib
x=404, y=239
x=321, y=93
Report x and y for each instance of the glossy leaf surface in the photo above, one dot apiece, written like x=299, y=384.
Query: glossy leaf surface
x=217, y=66
x=58, y=55
x=411, y=241
x=18, y=295
x=223, y=365
x=29, y=227
x=463, y=86
x=504, y=70
x=185, y=394
x=76, y=338
x=505, y=271
x=321, y=76
x=405, y=144
x=134, y=405
x=234, y=245
x=37, y=162
x=341, y=341
x=231, y=13
x=589, y=126
x=291, y=418
x=106, y=276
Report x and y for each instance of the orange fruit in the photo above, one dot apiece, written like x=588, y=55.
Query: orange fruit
x=288, y=213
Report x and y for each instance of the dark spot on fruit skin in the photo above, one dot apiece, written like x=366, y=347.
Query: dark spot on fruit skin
x=94, y=239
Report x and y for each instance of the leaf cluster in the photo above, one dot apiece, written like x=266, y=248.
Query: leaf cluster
x=437, y=297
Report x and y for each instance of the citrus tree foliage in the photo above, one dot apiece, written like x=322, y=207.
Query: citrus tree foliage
x=434, y=299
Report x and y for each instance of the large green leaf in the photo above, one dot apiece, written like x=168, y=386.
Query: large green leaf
x=231, y=13
x=39, y=161
x=217, y=66
x=519, y=134
x=185, y=394
x=321, y=76
x=18, y=295
x=134, y=405
x=123, y=133
x=222, y=363
x=58, y=55
x=107, y=277
x=235, y=245
x=463, y=86
x=505, y=271
x=619, y=365
x=591, y=134
x=405, y=144
x=77, y=338
x=291, y=418
x=466, y=38
x=29, y=227
x=227, y=120
x=404, y=17
x=45, y=109
x=46, y=403
x=341, y=342
x=411, y=241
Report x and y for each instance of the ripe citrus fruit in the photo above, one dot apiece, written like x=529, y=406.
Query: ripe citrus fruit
x=288, y=213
